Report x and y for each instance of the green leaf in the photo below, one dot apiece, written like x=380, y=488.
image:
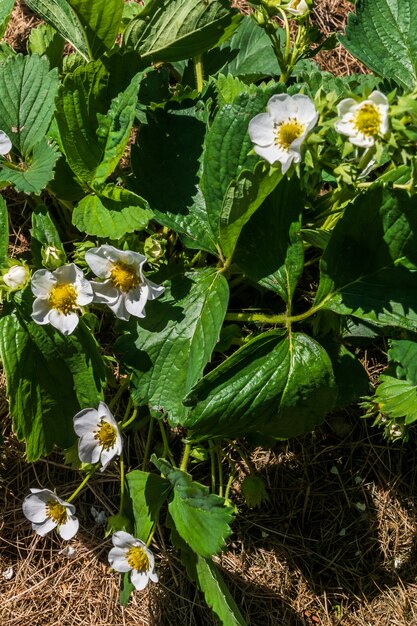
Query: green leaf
x=100, y=20
x=377, y=234
x=403, y=355
x=44, y=40
x=382, y=36
x=351, y=379
x=4, y=230
x=270, y=250
x=127, y=588
x=27, y=102
x=276, y=384
x=148, y=492
x=43, y=233
x=111, y=212
x=50, y=377
x=207, y=575
x=243, y=197
x=171, y=143
x=60, y=15
x=93, y=130
x=227, y=147
x=201, y=518
x=253, y=57
x=167, y=351
x=35, y=172
x=6, y=8
x=172, y=30
x=397, y=398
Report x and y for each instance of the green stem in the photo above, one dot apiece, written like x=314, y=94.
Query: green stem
x=220, y=469
x=118, y=393
x=212, y=466
x=198, y=69
x=228, y=487
x=122, y=484
x=275, y=319
x=83, y=482
x=148, y=443
x=151, y=534
x=130, y=420
x=166, y=451
x=185, y=456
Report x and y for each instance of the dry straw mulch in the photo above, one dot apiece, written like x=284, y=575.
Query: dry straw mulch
x=335, y=545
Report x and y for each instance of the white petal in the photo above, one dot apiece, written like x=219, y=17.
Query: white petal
x=45, y=527
x=139, y=579
x=99, y=262
x=281, y=107
x=5, y=143
x=40, y=311
x=136, y=299
x=261, y=129
x=66, y=324
x=105, y=293
x=122, y=539
x=41, y=283
x=272, y=154
x=153, y=576
x=379, y=99
x=363, y=141
x=69, y=529
x=285, y=166
x=106, y=456
x=85, y=421
x=66, y=273
x=345, y=106
x=105, y=414
x=117, y=560
x=306, y=111
x=34, y=508
x=119, y=308
x=89, y=449
x=85, y=293
x=345, y=127
x=154, y=290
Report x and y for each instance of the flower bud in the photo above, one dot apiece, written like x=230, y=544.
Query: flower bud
x=16, y=277
x=298, y=8
x=52, y=257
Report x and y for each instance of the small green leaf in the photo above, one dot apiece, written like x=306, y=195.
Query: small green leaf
x=403, y=354
x=28, y=90
x=382, y=36
x=4, y=230
x=397, y=398
x=167, y=351
x=276, y=384
x=100, y=20
x=127, y=588
x=43, y=233
x=172, y=30
x=50, y=377
x=6, y=8
x=201, y=518
x=35, y=172
x=44, y=40
x=111, y=212
x=351, y=379
x=148, y=492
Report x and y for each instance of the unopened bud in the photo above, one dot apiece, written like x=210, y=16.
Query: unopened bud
x=298, y=7
x=53, y=257
x=16, y=277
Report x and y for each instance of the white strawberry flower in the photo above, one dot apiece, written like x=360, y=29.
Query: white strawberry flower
x=297, y=7
x=100, y=438
x=124, y=288
x=47, y=511
x=362, y=122
x=279, y=133
x=5, y=143
x=132, y=555
x=59, y=297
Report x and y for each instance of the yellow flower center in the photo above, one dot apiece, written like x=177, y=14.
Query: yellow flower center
x=63, y=297
x=123, y=276
x=106, y=435
x=368, y=120
x=287, y=132
x=137, y=559
x=56, y=511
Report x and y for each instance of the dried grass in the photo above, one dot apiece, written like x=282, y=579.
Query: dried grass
x=335, y=545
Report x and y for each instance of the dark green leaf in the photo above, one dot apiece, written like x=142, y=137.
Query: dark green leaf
x=100, y=20
x=276, y=384
x=148, y=492
x=171, y=30
x=46, y=41
x=201, y=518
x=168, y=350
x=351, y=379
x=377, y=234
x=382, y=36
x=35, y=171
x=6, y=8
x=270, y=250
x=4, y=230
x=171, y=144
x=50, y=377
x=43, y=233
x=397, y=398
x=403, y=354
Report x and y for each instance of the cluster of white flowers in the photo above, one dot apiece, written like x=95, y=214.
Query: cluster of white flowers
x=278, y=134
x=61, y=294
x=100, y=441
